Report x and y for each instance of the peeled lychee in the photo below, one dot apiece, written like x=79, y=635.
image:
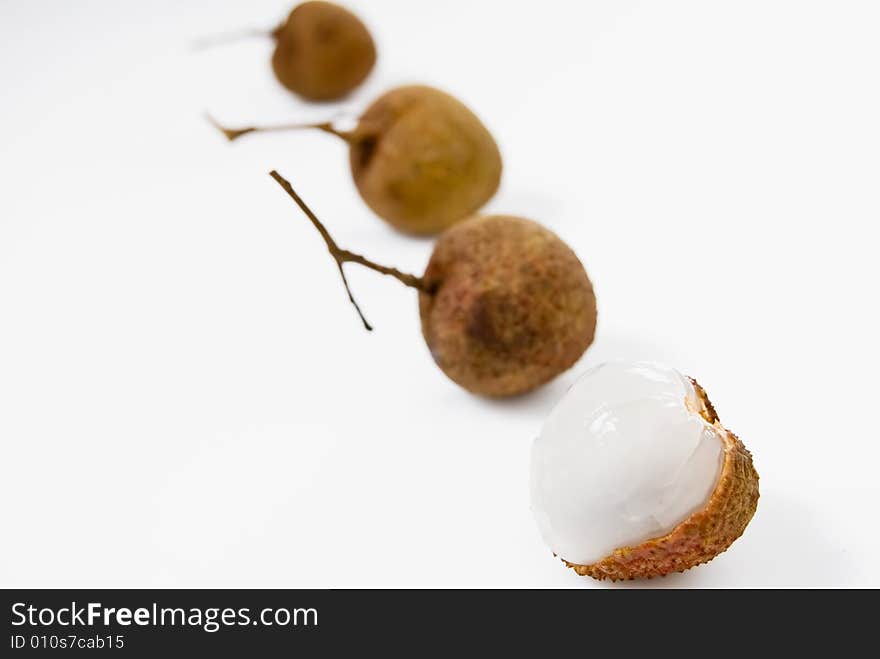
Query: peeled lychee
x=633, y=475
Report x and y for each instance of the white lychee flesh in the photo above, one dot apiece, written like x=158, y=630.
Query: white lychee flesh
x=625, y=457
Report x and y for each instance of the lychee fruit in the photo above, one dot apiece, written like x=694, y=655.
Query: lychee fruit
x=322, y=51
x=505, y=304
x=420, y=159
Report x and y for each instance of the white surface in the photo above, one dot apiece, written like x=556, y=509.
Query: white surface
x=186, y=397
x=623, y=458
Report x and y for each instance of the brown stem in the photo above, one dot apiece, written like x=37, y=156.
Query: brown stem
x=205, y=43
x=234, y=133
x=342, y=256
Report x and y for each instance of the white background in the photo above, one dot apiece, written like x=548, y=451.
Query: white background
x=186, y=397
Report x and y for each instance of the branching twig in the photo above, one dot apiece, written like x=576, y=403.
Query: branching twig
x=234, y=133
x=204, y=43
x=342, y=256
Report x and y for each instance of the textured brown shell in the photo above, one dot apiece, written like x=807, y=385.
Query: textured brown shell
x=511, y=306
x=422, y=160
x=703, y=535
x=323, y=51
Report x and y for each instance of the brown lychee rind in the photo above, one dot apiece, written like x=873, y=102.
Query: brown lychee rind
x=702, y=536
x=510, y=306
x=422, y=160
x=322, y=52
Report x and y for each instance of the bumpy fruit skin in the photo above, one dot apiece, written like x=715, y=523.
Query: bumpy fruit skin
x=510, y=306
x=423, y=161
x=702, y=536
x=323, y=51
